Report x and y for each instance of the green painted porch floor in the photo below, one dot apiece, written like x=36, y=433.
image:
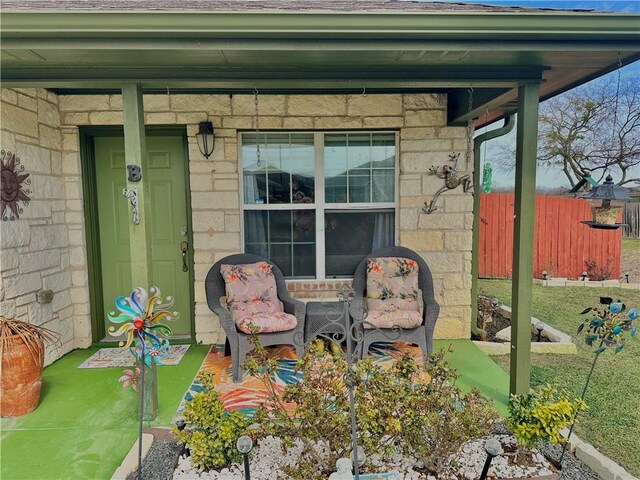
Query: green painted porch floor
x=86, y=424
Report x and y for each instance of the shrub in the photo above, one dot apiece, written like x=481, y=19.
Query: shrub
x=437, y=418
x=598, y=272
x=550, y=267
x=539, y=416
x=210, y=434
x=319, y=416
x=396, y=410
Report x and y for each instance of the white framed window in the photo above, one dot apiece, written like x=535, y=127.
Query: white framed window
x=315, y=203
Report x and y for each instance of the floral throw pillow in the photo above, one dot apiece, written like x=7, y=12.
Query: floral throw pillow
x=251, y=288
x=392, y=284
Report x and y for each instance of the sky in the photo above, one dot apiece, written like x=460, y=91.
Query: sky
x=625, y=6
x=550, y=178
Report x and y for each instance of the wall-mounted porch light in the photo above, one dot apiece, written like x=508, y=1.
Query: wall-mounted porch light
x=606, y=203
x=206, y=138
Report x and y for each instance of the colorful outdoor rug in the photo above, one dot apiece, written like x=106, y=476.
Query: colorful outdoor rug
x=249, y=393
x=121, y=357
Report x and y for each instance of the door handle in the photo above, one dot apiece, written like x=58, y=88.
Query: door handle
x=184, y=248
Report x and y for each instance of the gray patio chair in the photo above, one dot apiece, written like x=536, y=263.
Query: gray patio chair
x=422, y=335
x=239, y=341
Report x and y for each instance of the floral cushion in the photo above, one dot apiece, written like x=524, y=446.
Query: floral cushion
x=250, y=282
x=266, y=322
x=392, y=292
x=393, y=318
x=252, y=294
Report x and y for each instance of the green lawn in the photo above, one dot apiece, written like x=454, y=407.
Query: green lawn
x=612, y=423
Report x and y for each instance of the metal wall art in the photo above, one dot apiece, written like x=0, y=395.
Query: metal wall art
x=13, y=189
x=452, y=180
x=132, y=195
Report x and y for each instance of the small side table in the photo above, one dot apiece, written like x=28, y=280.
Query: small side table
x=320, y=314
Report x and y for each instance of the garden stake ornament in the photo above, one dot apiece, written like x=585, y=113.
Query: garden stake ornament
x=139, y=316
x=608, y=325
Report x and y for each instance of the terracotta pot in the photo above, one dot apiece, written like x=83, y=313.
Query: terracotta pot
x=21, y=377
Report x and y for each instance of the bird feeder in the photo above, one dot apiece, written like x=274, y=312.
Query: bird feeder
x=606, y=203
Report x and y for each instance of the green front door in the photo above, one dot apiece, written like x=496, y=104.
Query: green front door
x=168, y=208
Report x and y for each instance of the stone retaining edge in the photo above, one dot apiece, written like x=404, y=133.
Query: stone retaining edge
x=565, y=282
x=599, y=463
x=560, y=344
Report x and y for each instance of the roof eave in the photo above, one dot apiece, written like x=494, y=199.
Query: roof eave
x=556, y=25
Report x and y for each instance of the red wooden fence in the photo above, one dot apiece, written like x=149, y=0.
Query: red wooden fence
x=562, y=244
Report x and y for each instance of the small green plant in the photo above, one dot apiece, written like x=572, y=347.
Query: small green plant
x=539, y=416
x=210, y=434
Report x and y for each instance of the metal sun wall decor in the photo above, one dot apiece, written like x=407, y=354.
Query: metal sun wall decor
x=606, y=327
x=452, y=180
x=335, y=329
x=13, y=189
x=140, y=317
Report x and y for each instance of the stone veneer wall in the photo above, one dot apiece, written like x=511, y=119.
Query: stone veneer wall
x=443, y=238
x=36, y=248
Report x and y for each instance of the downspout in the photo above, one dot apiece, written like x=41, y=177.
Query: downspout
x=509, y=123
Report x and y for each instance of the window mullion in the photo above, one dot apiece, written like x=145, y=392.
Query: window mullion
x=347, y=165
x=396, y=188
x=320, y=203
x=292, y=236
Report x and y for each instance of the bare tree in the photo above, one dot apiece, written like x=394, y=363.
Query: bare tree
x=593, y=129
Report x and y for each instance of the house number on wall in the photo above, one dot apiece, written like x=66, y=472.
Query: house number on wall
x=132, y=195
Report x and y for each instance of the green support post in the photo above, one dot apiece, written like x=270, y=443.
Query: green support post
x=136, y=154
x=524, y=211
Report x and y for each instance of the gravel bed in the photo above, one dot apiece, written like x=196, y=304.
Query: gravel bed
x=164, y=462
x=466, y=464
x=160, y=462
x=573, y=468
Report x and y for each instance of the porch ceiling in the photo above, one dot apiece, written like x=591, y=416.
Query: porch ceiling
x=313, y=52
